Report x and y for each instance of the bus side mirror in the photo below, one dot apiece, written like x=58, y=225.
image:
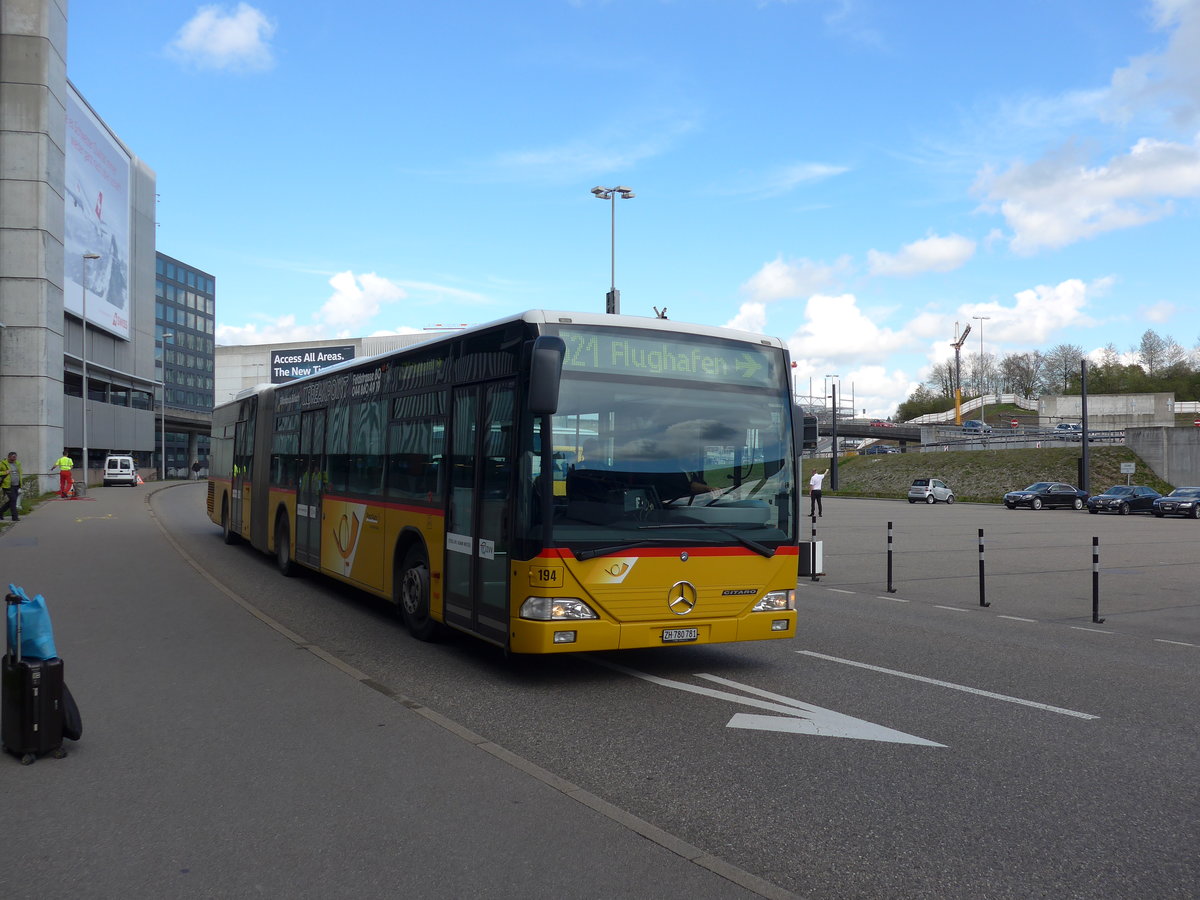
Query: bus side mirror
x=545, y=374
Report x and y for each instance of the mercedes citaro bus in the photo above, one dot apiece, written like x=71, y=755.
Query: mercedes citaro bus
x=550, y=482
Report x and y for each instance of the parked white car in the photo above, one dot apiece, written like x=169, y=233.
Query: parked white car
x=930, y=490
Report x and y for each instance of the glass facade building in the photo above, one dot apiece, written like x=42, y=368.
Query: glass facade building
x=184, y=338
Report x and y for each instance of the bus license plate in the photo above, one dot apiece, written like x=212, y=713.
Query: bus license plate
x=680, y=634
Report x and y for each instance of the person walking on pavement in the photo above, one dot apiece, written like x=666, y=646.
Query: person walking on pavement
x=64, y=464
x=10, y=484
x=814, y=493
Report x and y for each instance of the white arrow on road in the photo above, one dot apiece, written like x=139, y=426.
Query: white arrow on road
x=797, y=718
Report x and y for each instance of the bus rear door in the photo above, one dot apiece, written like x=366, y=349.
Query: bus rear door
x=311, y=487
x=477, y=539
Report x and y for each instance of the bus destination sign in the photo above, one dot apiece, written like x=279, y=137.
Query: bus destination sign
x=670, y=357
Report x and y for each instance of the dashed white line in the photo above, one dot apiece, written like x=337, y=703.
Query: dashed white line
x=1093, y=630
x=951, y=608
x=951, y=685
x=840, y=591
x=1015, y=618
x=893, y=599
x=1177, y=643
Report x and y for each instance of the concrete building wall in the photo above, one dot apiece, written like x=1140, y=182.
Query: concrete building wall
x=1173, y=453
x=1109, y=411
x=33, y=48
x=38, y=342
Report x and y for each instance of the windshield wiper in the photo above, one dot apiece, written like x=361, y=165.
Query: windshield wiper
x=627, y=545
x=760, y=549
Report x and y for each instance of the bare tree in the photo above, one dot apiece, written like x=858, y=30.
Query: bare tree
x=941, y=378
x=1151, y=352
x=981, y=372
x=1021, y=373
x=1061, y=364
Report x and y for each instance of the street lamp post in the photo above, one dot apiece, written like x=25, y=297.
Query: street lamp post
x=833, y=466
x=162, y=386
x=83, y=360
x=982, y=398
x=613, y=301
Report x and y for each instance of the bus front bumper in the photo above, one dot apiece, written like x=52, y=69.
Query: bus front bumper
x=528, y=636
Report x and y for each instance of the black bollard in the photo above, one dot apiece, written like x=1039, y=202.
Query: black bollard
x=982, y=601
x=1096, y=581
x=890, y=587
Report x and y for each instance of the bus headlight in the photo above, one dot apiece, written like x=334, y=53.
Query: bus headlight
x=555, y=609
x=773, y=601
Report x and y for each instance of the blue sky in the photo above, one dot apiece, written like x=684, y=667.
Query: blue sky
x=853, y=176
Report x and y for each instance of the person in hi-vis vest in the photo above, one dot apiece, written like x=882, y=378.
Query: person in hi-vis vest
x=64, y=464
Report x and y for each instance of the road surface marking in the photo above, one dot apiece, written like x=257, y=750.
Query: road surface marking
x=948, y=684
x=1092, y=630
x=893, y=599
x=1016, y=618
x=1178, y=643
x=840, y=591
x=797, y=717
x=951, y=608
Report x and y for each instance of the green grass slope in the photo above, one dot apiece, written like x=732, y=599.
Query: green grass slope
x=981, y=475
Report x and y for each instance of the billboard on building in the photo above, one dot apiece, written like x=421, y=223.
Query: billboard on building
x=301, y=361
x=98, y=177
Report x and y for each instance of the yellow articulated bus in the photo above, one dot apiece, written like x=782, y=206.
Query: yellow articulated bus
x=549, y=482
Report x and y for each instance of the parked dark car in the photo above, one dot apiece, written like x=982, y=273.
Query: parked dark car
x=1046, y=493
x=1124, y=499
x=1183, y=501
x=881, y=448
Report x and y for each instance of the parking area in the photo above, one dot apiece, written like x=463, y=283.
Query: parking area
x=1038, y=564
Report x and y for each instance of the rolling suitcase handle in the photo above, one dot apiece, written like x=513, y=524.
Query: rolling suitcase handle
x=12, y=599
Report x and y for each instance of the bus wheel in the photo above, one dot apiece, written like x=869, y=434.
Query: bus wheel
x=283, y=547
x=229, y=536
x=414, y=595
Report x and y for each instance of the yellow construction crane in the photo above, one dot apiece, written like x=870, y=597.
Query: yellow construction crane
x=957, y=345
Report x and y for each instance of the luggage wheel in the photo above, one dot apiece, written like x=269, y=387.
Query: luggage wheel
x=28, y=759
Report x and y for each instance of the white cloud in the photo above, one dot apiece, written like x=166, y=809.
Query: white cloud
x=1159, y=312
x=931, y=254
x=1168, y=81
x=789, y=280
x=779, y=181
x=236, y=40
x=837, y=330
x=356, y=301
x=1057, y=201
x=1035, y=316
x=750, y=317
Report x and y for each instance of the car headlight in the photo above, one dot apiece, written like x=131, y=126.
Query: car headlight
x=774, y=601
x=554, y=609
x=1186, y=504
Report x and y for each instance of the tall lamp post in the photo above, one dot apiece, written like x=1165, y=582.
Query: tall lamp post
x=83, y=359
x=982, y=399
x=162, y=386
x=833, y=466
x=613, y=301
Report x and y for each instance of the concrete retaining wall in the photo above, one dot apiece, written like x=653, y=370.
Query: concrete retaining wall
x=1173, y=453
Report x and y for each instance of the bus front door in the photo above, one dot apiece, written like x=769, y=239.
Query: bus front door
x=311, y=487
x=477, y=538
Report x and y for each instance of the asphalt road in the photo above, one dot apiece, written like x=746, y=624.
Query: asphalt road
x=906, y=744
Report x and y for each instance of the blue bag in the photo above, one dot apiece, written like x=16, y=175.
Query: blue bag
x=37, y=635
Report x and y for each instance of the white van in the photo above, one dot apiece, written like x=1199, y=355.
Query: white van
x=119, y=470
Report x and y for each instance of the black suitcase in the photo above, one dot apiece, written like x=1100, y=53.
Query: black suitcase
x=31, y=703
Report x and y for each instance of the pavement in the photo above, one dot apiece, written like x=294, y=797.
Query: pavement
x=224, y=756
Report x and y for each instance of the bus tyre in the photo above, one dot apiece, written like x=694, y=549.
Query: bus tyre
x=414, y=595
x=283, y=547
x=227, y=534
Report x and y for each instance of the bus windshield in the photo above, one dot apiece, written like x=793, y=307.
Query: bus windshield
x=682, y=463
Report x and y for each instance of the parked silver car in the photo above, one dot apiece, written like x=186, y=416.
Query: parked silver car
x=930, y=490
